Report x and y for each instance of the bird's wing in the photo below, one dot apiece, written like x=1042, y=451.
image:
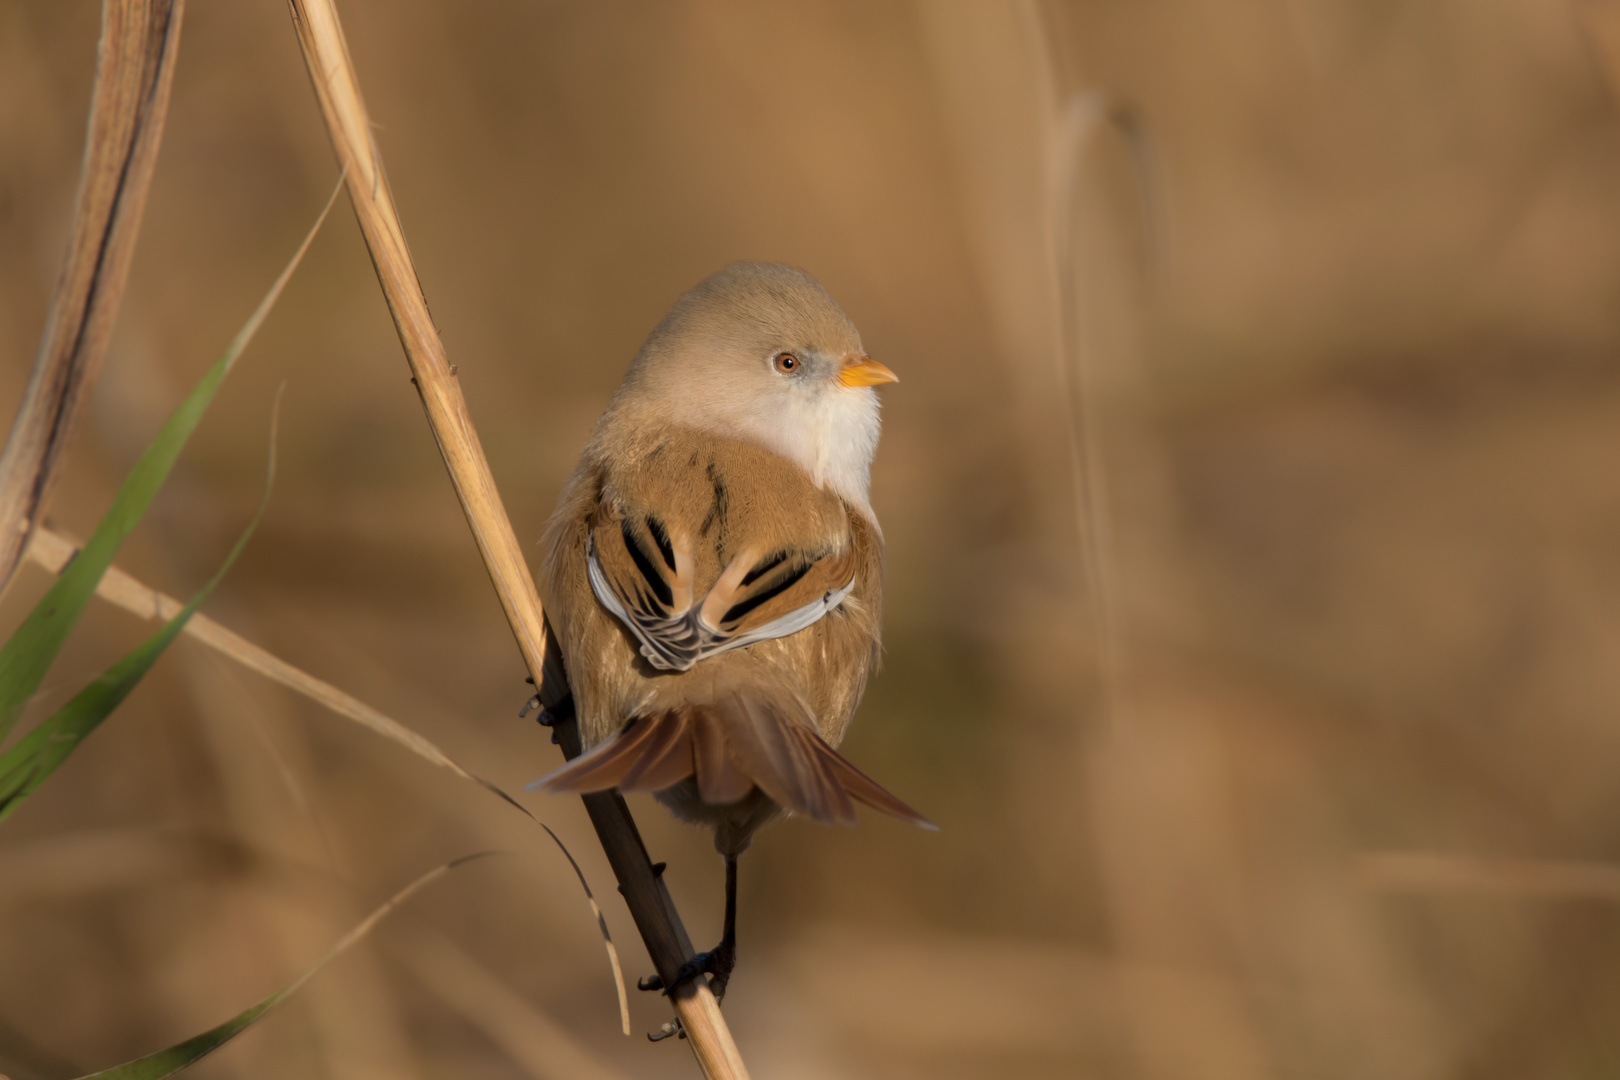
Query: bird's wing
x=643, y=570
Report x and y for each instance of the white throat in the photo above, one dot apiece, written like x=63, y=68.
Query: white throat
x=832, y=436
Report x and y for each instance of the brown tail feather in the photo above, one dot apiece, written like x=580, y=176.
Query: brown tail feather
x=666, y=758
x=763, y=742
x=731, y=747
x=720, y=778
x=605, y=765
x=864, y=789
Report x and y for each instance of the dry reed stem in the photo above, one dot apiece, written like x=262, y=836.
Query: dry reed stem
x=134, y=69
x=53, y=551
x=1079, y=119
x=320, y=36
x=1077, y=124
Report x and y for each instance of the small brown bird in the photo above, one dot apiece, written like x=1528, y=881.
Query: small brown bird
x=713, y=574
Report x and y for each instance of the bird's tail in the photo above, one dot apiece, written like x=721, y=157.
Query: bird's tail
x=730, y=747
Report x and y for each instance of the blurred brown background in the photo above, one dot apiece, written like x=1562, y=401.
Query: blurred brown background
x=1335, y=794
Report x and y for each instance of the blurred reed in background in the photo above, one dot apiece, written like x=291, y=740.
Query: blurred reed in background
x=1349, y=386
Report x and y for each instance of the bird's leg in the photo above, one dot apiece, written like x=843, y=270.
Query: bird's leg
x=719, y=961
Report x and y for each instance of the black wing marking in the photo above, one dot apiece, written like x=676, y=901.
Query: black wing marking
x=747, y=604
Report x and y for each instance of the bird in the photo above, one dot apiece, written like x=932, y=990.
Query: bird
x=712, y=575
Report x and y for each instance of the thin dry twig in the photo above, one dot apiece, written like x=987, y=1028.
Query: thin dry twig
x=337, y=87
x=134, y=68
x=53, y=552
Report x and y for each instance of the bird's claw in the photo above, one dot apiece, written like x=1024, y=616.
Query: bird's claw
x=550, y=718
x=717, y=963
x=672, y=1027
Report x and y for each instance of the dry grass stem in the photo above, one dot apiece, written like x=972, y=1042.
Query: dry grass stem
x=134, y=69
x=1536, y=879
x=542, y=1046
x=53, y=551
x=337, y=88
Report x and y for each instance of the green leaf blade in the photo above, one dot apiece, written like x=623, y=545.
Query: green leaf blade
x=34, y=757
x=30, y=762
x=167, y=1062
x=177, y=1057
x=28, y=654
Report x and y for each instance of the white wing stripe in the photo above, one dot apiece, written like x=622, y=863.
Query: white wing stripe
x=680, y=641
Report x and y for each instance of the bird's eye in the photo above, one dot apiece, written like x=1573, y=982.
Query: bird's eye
x=786, y=363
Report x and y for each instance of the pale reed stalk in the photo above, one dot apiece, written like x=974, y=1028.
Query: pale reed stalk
x=320, y=35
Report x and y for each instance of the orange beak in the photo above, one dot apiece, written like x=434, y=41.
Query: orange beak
x=865, y=371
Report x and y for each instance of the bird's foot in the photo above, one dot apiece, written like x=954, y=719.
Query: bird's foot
x=564, y=710
x=717, y=963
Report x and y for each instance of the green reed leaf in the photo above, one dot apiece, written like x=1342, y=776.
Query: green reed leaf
x=28, y=654
x=30, y=762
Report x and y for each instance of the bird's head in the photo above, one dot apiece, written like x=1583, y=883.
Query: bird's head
x=760, y=352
